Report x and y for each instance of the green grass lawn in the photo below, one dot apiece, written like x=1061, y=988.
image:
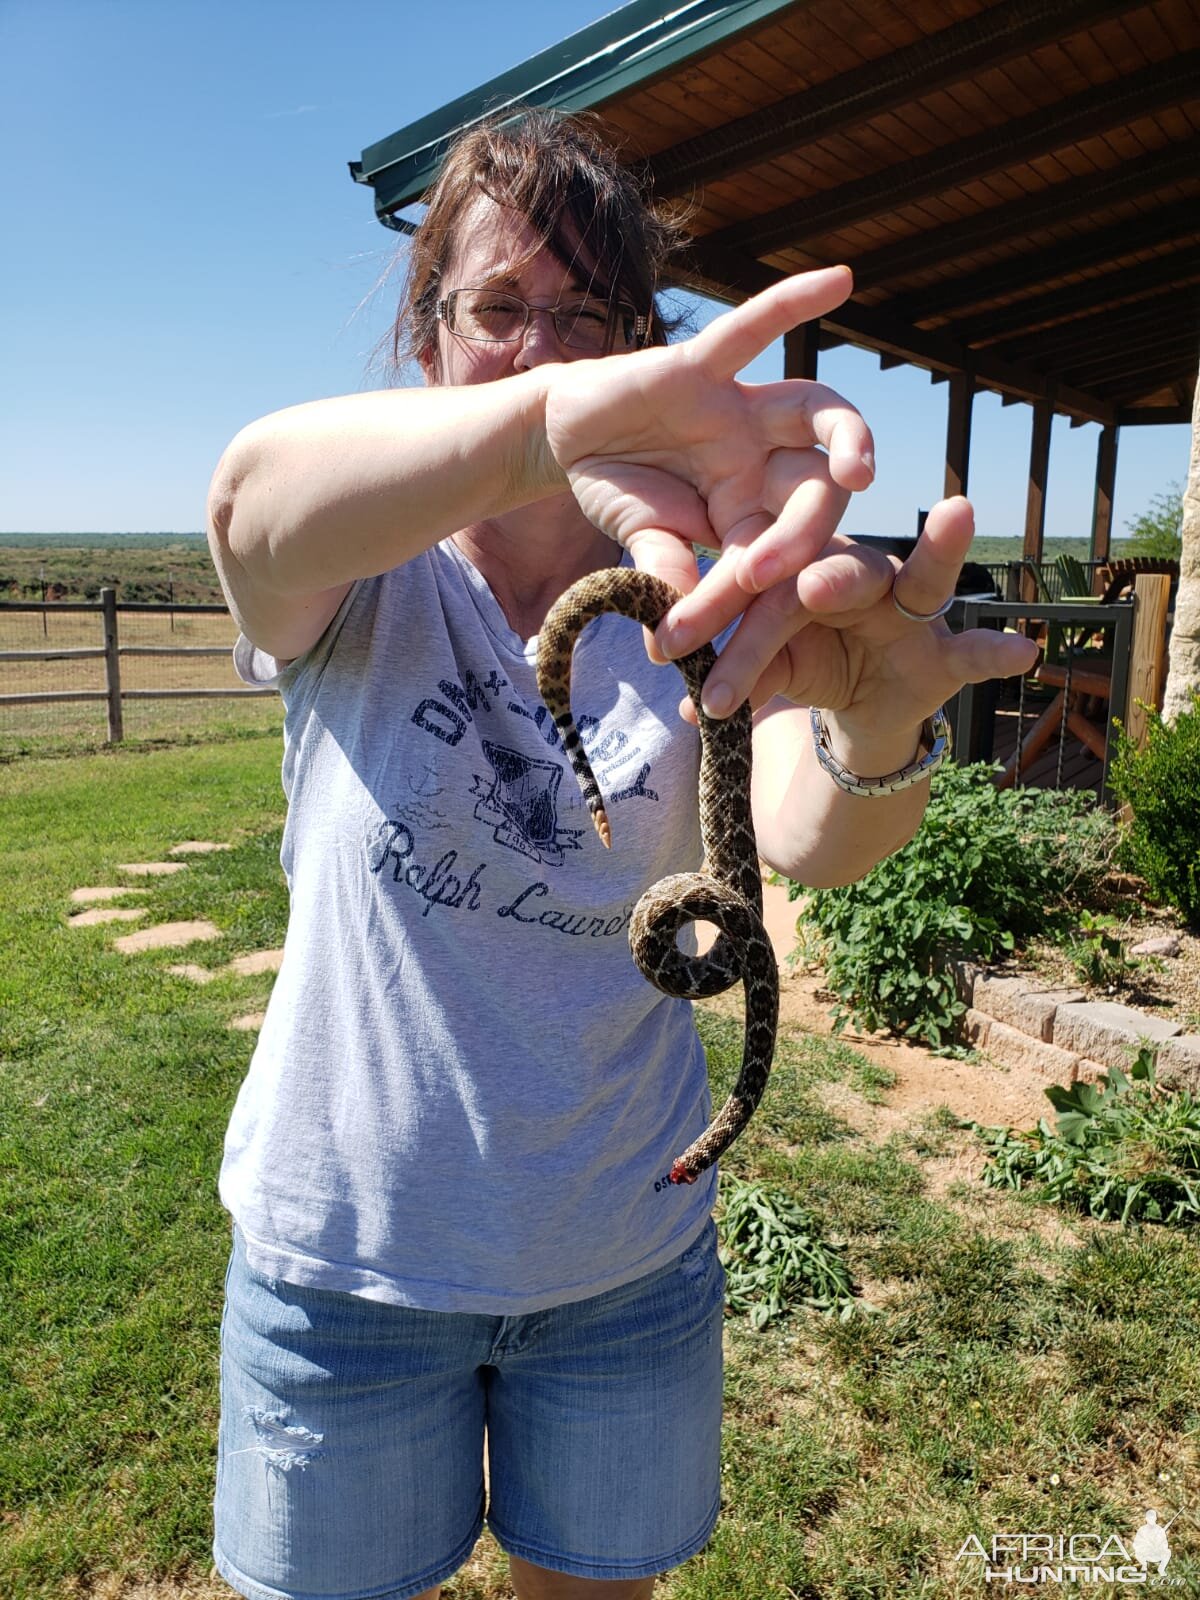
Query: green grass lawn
x=1022, y=1371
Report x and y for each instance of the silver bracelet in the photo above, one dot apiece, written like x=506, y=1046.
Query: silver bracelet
x=935, y=744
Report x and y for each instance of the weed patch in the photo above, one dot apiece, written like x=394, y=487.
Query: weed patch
x=1122, y=1150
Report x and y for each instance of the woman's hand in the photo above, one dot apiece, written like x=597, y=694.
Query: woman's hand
x=664, y=447
x=832, y=637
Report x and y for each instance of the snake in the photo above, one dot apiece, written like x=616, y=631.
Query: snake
x=727, y=890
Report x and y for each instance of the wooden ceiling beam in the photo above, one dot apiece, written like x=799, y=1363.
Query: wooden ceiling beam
x=1061, y=203
x=1075, y=299
x=1174, y=308
x=1129, y=359
x=726, y=277
x=1151, y=379
x=861, y=325
x=1153, y=416
x=1079, y=253
x=1001, y=34
x=1083, y=116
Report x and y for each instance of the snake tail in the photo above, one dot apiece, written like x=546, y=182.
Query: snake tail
x=582, y=768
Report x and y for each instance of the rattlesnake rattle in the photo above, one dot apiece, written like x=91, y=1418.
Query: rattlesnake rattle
x=727, y=891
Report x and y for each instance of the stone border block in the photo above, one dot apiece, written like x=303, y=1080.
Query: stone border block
x=1018, y=1049
x=1107, y=1032
x=1178, y=1062
x=1011, y=1000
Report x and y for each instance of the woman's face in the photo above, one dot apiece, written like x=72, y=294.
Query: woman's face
x=491, y=240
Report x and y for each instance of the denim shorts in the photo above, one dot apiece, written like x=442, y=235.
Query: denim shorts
x=352, y=1433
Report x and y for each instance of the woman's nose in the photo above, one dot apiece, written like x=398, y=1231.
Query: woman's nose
x=540, y=341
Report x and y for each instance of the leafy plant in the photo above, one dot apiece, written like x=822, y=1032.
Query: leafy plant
x=1098, y=957
x=1123, y=1150
x=775, y=1258
x=979, y=876
x=1161, y=786
x=1159, y=530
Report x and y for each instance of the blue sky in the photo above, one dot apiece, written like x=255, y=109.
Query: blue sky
x=185, y=251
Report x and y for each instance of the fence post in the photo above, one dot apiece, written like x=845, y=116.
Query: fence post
x=112, y=666
x=1149, y=648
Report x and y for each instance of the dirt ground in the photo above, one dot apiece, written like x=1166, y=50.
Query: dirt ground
x=984, y=1093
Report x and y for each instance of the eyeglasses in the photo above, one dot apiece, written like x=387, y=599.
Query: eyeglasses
x=583, y=324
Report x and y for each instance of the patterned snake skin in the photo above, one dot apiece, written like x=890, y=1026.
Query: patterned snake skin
x=727, y=892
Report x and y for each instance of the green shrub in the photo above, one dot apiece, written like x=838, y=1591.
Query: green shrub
x=979, y=876
x=1161, y=786
x=1126, y=1150
x=1096, y=952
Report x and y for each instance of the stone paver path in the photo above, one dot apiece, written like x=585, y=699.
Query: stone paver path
x=239, y=967
x=251, y=1023
x=166, y=935
x=89, y=919
x=189, y=969
x=259, y=961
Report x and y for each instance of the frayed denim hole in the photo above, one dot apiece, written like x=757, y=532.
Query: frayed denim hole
x=282, y=1445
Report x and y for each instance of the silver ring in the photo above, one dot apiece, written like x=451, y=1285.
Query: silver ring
x=921, y=616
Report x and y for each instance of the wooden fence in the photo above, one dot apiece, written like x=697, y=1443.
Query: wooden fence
x=112, y=651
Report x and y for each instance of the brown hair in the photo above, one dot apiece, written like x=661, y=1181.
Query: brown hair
x=561, y=174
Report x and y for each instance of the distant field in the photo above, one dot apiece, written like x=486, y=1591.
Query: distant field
x=992, y=549
x=165, y=566
x=141, y=567
x=76, y=566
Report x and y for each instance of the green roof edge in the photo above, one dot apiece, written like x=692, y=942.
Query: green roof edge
x=607, y=58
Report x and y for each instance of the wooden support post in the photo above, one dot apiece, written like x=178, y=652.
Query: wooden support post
x=1102, y=504
x=1147, y=659
x=1035, y=498
x=112, y=666
x=958, y=432
x=800, y=351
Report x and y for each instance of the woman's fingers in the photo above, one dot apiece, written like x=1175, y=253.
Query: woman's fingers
x=772, y=620
x=847, y=577
x=733, y=340
x=845, y=582
x=930, y=574
x=664, y=555
x=983, y=653
x=792, y=413
x=801, y=509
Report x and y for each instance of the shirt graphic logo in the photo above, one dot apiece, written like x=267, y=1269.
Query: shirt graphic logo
x=520, y=802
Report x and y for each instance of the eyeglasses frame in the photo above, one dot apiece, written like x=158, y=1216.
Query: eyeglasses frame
x=641, y=324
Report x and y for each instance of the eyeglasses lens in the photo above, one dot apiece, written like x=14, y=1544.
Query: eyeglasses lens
x=496, y=318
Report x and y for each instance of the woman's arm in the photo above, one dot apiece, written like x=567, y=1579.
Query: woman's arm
x=808, y=828
x=306, y=500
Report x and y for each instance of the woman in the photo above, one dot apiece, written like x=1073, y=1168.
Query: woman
x=445, y=1164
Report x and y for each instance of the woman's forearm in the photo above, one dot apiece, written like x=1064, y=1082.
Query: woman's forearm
x=808, y=828
x=318, y=495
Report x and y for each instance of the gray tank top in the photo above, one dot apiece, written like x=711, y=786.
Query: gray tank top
x=465, y=1096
